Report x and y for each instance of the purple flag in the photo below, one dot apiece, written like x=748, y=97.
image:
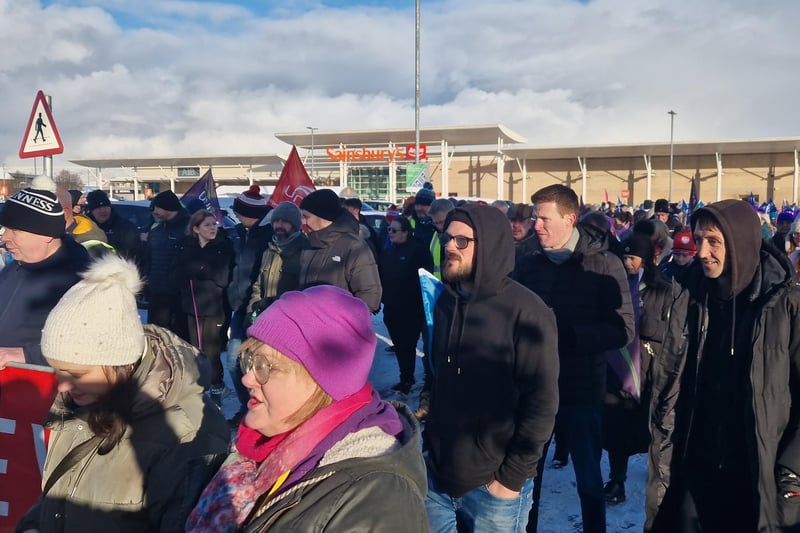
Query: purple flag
x=627, y=361
x=205, y=190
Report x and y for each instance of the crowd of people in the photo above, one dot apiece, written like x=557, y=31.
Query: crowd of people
x=649, y=330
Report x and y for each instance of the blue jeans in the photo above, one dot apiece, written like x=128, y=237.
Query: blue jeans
x=477, y=511
x=583, y=429
x=237, y=335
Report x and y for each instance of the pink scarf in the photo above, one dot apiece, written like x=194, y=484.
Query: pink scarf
x=263, y=464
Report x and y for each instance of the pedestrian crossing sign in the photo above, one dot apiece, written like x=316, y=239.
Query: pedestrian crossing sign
x=41, y=136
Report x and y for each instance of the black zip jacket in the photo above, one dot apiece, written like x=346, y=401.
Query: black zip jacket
x=495, y=392
x=590, y=296
x=161, y=252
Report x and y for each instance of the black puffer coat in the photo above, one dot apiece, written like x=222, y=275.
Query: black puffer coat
x=767, y=334
x=161, y=252
x=203, y=273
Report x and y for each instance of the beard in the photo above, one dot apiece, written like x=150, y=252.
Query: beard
x=280, y=234
x=457, y=271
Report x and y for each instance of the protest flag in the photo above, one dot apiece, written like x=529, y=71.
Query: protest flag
x=431, y=289
x=26, y=394
x=294, y=183
x=693, y=200
x=205, y=190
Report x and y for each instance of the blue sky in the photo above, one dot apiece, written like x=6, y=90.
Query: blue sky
x=180, y=77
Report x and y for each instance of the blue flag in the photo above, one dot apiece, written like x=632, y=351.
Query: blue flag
x=431, y=289
x=205, y=190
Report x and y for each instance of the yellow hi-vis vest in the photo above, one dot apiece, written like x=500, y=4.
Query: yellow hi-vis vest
x=436, y=252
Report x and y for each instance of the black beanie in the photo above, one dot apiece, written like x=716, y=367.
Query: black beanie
x=167, y=201
x=661, y=206
x=96, y=199
x=35, y=210
x=75, y=195
x=324, y=203
x=639, y=245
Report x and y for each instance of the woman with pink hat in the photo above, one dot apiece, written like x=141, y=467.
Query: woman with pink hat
x=317, y=449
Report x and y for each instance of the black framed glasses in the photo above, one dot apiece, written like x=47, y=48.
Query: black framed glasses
x=394, y=230
x=461, y=241
x=258, y=364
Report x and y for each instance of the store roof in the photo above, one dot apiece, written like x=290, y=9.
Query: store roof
x=454, y=135
x=191, y=161
x=694, y=148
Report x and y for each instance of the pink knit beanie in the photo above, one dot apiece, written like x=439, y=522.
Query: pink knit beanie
x=325, y=329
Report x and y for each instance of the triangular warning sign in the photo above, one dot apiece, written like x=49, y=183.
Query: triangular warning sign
x=41, y=135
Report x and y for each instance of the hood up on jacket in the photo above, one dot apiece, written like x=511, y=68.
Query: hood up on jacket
x=494, y=247
x=741, y=228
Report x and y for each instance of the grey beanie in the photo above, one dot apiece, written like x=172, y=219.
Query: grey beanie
x=288, y=212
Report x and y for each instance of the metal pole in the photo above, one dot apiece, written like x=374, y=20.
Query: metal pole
x=312, y=150
x=48, y=159
x=671, y=132
x=416, y=86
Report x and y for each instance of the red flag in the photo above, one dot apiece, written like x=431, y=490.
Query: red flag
x=26, y=394
x=294, y=183
x=606, y=190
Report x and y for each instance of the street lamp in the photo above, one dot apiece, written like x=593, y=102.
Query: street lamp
x=671, y=137
x=312, y=150
x=416, y=84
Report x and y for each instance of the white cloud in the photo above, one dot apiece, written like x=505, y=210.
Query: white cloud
x=185, y=78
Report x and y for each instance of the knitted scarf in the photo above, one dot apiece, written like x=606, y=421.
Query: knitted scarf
x=272, y=464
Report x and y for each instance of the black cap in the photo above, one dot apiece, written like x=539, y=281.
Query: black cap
x=96, y=199
x=519, y=212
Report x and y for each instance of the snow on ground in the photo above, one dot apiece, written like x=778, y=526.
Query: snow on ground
x=559, y=510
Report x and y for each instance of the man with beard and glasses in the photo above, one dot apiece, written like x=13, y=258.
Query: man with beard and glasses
x=280, y=264
x=495, y=390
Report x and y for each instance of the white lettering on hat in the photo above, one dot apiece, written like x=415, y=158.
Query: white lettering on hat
x=336, y=259
x=38, y=202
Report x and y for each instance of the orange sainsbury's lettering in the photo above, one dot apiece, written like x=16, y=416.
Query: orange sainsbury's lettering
x=370, y=154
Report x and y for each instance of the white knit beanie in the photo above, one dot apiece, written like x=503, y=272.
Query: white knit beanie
x=97, y=322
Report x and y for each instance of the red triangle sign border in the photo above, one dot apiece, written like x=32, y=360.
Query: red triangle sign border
x=23, y=154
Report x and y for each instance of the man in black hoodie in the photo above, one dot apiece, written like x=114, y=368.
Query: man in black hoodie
x=494, y=395
x=586, y=287
x=726, y=393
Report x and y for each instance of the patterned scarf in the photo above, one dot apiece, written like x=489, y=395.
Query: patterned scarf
x=267, y=465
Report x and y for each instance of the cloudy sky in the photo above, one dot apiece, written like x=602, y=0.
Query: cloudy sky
x=175, y=77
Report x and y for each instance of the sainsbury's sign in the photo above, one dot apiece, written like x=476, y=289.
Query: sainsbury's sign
x=399, y=153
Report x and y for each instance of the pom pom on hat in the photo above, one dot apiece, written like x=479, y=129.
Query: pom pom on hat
x=97, y=321
x=251, y=203
x=35, y=209
x=323, y=203
x=326, y=330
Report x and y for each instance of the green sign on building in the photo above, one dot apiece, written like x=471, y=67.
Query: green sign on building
x=416, y=176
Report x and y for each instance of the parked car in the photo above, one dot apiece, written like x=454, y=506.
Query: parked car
x=377, y=205
x=138, y=212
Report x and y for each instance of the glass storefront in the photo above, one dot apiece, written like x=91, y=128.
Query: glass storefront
x=373, y=182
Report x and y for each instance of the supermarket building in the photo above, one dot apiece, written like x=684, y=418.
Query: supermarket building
x=485, y=161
